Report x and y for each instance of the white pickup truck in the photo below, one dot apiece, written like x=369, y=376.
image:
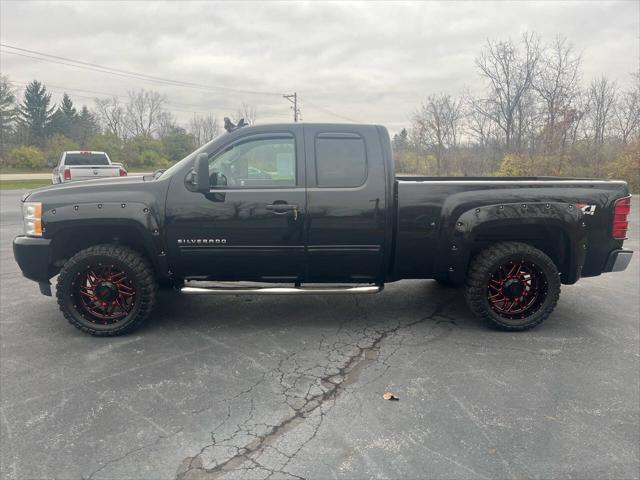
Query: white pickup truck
x=85, y=165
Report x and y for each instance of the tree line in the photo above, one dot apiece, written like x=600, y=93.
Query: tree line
x=533, y=116
x=140, y=131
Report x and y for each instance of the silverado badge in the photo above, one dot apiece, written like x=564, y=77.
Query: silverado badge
x=202, y=241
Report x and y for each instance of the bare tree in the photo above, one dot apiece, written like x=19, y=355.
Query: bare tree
x=510, y=73
x=528, y=122
x=557, y=85
x=144, y=112
x=576, y=118
x=479, y=126
x=436, y=126
x=111, y=115
x=248, y=112
x=602, y=96
x=166, y=124
x=627, y=115
x=557, y=78
x=203, y=128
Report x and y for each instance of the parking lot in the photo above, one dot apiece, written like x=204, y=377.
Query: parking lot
x=291, y=387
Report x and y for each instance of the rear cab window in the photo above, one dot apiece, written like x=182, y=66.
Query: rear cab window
x=341, y=160
x=79, y=159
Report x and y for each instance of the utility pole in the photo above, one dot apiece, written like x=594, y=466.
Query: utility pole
x=293, y=98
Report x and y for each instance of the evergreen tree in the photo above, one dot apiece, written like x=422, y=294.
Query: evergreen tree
x=87, y=126
x=8, y=113
x=35, y=113
x=67, y=107
x=65, y=120
x=58, y=124
x=401, y=140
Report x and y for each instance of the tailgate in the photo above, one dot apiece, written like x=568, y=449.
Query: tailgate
x=93, y=171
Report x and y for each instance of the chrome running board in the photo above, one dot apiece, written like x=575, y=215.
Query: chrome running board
x=280, y=290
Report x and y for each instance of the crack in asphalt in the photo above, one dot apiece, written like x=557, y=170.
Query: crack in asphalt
x=130, y=452
x=244, y=447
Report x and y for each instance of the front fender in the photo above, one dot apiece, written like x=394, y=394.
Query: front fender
x=460, y=234
x=64, y=222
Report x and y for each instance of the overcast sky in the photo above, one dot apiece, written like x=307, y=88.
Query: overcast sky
x=369, y=62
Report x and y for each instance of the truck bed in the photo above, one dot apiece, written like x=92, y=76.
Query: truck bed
x=436, y=218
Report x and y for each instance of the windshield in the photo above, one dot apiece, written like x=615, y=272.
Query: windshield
x=86, y=159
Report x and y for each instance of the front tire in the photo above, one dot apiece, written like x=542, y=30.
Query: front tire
x=512, y=285
x=106, y=290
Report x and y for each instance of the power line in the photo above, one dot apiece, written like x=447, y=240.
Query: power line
x=69, y=62
x=77, y=66
x=329, y=112
x=122, y=73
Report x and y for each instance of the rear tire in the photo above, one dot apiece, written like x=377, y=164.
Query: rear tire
x=512, y=285
x=106, y=290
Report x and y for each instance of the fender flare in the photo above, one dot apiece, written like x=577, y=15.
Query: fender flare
x=132, y=216
x=459, y=234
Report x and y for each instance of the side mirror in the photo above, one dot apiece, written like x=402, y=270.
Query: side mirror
x=202, y=173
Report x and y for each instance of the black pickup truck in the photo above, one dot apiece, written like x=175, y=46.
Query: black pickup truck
x=317, y=207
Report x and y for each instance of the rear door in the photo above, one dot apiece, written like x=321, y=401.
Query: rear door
x=346, y=204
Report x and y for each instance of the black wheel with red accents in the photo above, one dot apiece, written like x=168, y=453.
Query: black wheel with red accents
x=513, y=285
x=106, y=290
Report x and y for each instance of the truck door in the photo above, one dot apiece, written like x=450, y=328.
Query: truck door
x=250, y=225
x=346, y=206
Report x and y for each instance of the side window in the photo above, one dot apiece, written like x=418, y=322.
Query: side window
x=255, y=163
x=340, y=161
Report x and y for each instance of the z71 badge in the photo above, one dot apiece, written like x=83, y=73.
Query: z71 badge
x=586, y=209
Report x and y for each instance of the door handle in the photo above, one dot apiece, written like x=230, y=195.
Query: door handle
x=283, y=209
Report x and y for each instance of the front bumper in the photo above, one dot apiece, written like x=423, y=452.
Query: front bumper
x=33, y=256
x=618, y=260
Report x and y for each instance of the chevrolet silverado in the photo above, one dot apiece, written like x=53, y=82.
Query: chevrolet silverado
x=315, y=209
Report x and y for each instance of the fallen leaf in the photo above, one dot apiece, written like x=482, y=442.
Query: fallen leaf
x=389, y=396
x=493, y=451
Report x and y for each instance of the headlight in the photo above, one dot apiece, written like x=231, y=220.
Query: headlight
x=32, y=216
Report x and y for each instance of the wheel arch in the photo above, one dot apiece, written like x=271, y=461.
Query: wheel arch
x=71, y=237
x=555, y=228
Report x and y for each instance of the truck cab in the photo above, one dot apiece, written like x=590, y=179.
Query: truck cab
x=288, y=203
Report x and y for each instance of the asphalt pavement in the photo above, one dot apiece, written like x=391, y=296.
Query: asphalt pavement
x=291, y=387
